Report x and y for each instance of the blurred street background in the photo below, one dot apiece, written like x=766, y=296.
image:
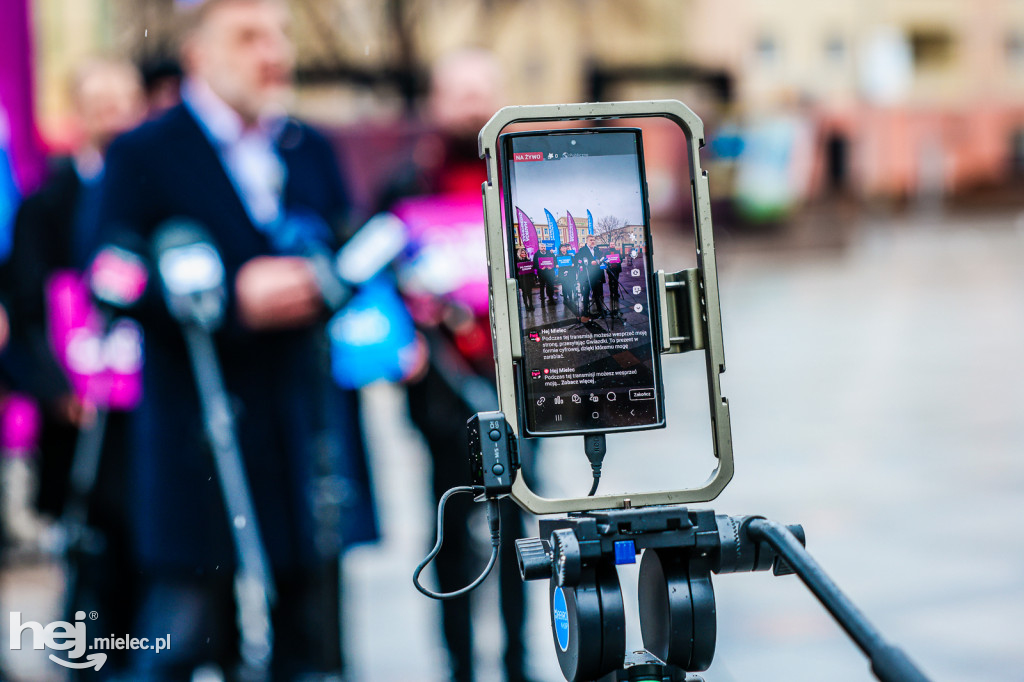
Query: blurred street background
x=866, y=161
x=896, y=101
x=875, y=393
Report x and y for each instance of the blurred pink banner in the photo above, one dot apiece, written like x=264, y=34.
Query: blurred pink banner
x=447, y=254
x=17, y=123
x=104, y=367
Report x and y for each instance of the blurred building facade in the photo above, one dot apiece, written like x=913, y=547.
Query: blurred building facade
x=899, y=97
x=906, y=96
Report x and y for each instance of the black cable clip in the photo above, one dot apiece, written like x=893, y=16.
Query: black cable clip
x=494, y=463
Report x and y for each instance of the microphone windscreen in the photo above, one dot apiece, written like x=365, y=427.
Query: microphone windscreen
x=177, y=232
x=187, y=259
x=117, y=277
x=371, y=249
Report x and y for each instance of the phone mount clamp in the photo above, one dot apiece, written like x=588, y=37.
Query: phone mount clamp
x=689, y=313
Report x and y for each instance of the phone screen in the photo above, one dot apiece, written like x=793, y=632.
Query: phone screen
x=580, y=247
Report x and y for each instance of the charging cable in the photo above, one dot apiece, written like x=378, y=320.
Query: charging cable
x=594, y=445
x=493, y=521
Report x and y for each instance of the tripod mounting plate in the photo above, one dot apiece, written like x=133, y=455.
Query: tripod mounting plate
x=689, y=310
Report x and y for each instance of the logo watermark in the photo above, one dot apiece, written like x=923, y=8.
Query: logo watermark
x=71, y=638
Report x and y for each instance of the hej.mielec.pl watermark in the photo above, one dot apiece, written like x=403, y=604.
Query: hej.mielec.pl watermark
x=71, y=637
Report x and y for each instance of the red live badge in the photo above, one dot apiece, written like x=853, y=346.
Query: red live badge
x=528, y=156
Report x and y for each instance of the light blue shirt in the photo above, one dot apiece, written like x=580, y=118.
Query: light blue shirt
x=249, y=154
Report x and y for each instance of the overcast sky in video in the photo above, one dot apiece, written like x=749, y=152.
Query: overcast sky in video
x=606, y=185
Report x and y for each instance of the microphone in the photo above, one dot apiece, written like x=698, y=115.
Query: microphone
x=191, y=272
x=117, y=277
x=371, y=249
x=193, y=278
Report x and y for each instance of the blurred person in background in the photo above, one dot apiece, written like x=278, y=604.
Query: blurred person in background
x=230, y=159
x=52, y=227
x=441, y=205
x=20, y=525
x=55, y=224
x=161, y=77
x=18, y=417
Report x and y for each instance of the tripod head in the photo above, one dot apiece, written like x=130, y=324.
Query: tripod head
x=680, y=550
x=578, y=555
x=681, y=310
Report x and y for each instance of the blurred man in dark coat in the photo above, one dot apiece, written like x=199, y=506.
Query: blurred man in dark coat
x=230, y=160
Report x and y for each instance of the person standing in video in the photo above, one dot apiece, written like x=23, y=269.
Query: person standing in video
x=565, y=276
x=526, y=277
x=588, y=260
x=231, y=160
x=613, y=263
x=544, y=265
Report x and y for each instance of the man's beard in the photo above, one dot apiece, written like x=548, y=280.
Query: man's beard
x=258, y=104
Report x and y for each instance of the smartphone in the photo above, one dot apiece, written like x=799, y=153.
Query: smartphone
x=575, y=203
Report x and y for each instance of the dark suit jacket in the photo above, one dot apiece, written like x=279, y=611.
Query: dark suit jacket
x=584, y=256
x=546, y=276
x=167, y=168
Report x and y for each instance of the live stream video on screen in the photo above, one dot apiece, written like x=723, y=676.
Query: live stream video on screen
x=581, y=257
